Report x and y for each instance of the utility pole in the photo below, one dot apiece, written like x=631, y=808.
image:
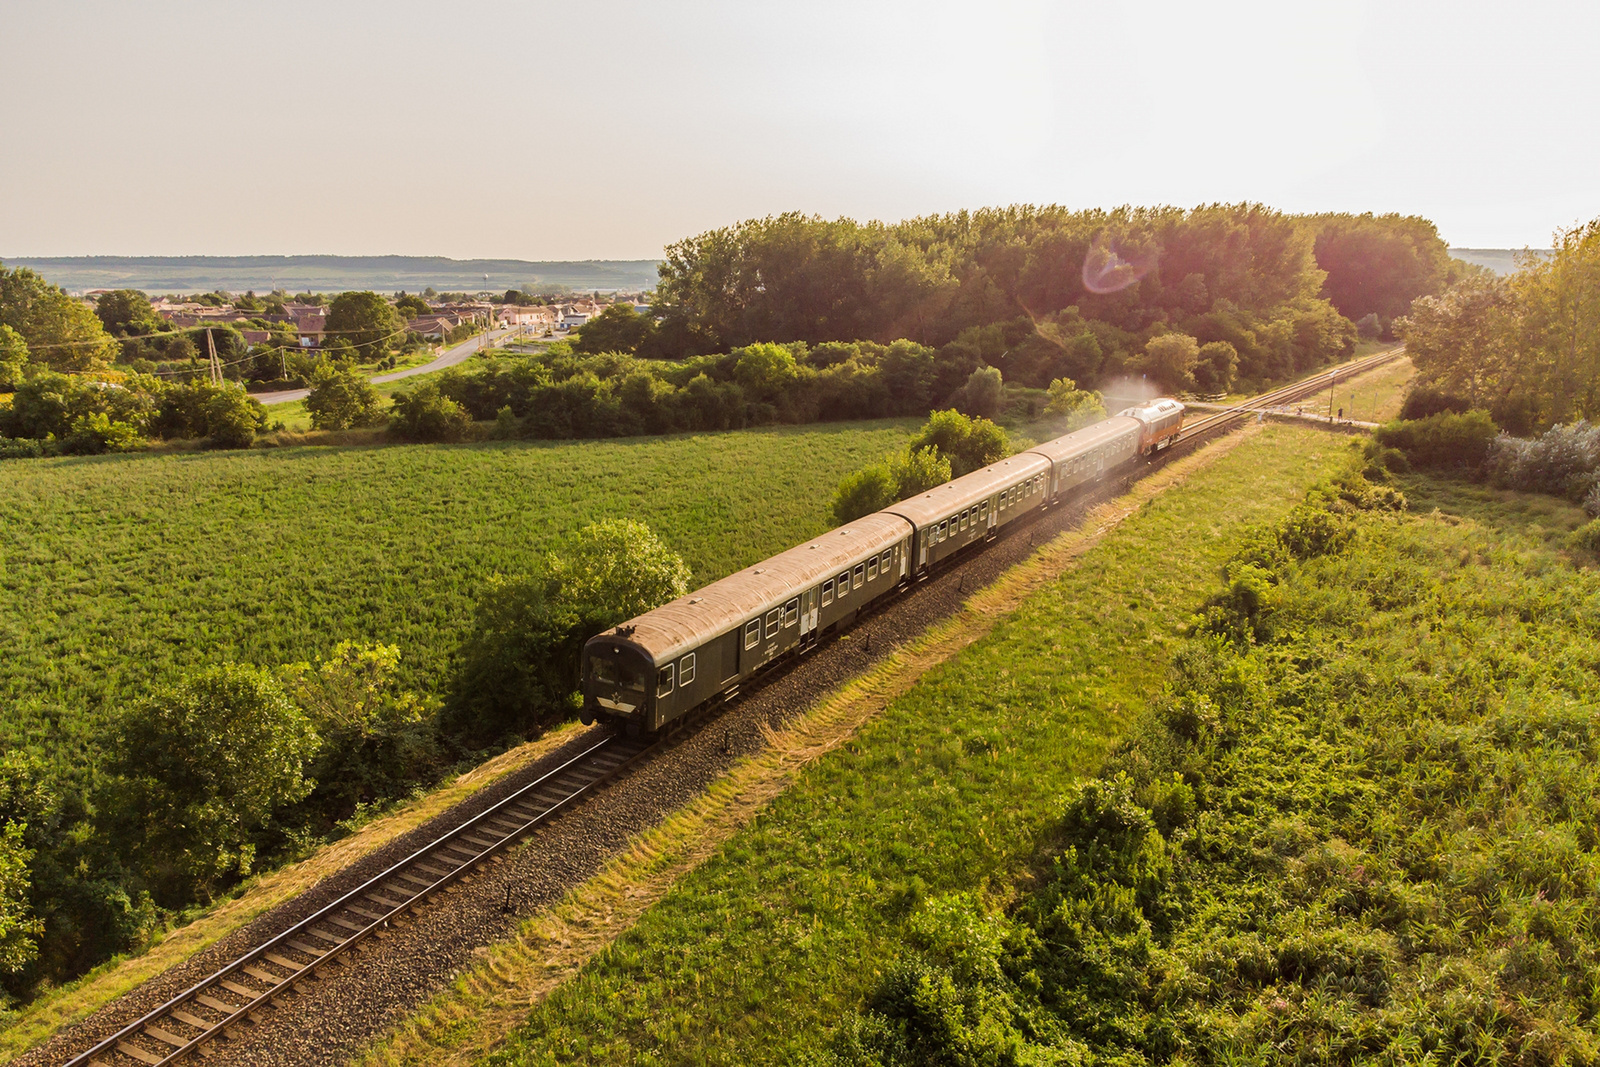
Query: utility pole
x=1332, y=379
x=216, y=364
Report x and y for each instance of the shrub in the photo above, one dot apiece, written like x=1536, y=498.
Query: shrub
x=519, y=666
x=1424, y=400
x=1443, y=441
x=342, y=398
x=1079, y=407
x=968, y=443
x=983, y=395
x=1171, y=359
x=206, y=764
x=25, y=448
x=424, y=414
x=862, y=492
x=93, y=434
x=1586, y=537
x=1562, y=461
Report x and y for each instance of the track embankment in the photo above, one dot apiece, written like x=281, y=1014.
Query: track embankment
x=485, y=1004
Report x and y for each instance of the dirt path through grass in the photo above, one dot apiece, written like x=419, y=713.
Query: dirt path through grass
x=486, y=1005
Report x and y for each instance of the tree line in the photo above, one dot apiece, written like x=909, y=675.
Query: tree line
x=1525, y=348
x=1093, y=287
x=231, y=769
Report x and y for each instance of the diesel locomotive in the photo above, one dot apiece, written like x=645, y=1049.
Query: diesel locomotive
x=668, y=662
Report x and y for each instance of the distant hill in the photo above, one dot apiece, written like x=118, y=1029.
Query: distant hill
x=329, y=274
x=1499, y=260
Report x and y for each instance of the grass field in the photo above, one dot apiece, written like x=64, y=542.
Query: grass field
x=118, y=570
x=759, y=954
x=1377, y=395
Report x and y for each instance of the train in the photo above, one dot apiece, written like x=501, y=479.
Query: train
x=659, y=667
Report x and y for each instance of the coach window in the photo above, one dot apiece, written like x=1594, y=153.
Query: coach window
x=752, y=634
x=827, y=592
x=888, y=558
x=963, y=520
x=772, y=622
x=861, y=573
x=844, y=585
x=686, y=669
x=872, y=568
x=664, y=681
x=791, y=612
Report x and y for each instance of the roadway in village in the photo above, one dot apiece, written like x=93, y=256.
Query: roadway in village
x=448, y=358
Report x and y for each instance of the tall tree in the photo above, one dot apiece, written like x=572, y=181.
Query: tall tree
x=62, y=333
x=366, y=320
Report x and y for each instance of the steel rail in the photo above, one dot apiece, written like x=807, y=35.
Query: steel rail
x=1293, y=391
x=361, y=913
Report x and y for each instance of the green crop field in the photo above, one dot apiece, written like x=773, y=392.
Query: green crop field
x=118, y=570
x=766, y=949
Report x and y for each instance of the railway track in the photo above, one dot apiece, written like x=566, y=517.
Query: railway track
x=212, y=1008
x=1287, y=394
x=208, y=1010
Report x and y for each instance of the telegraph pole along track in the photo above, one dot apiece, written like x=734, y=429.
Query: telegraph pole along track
x=242, y=1009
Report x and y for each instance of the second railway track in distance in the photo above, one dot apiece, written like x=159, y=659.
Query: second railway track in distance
x=234, y=995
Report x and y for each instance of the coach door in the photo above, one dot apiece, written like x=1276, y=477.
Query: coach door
x=808, y=613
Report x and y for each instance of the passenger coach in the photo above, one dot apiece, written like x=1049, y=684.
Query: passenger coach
x=663, y=664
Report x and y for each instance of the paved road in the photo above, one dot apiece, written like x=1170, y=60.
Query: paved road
x=448, y=358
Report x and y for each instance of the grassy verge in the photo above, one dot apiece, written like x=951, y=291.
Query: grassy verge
x=1375, y=396
x=1361, y=826
x=20, y=1030
x=757, y=954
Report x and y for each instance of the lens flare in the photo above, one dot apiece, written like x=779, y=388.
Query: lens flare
x=1107, y=268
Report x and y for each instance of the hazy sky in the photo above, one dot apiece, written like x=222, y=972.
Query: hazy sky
x=569, y=131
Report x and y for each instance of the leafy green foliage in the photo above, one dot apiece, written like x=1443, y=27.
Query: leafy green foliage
x=61, y=333
x=519, y=667
x=366, y=321
x=342, y=398
x=983, y=395
x=616, y=329
x=1446, y=441
x=766, y=949
x=207, y=763
x=23, y=801
x=13, y=358
x=1348, y=831
x=1525, y=348
x=1378, y=264
x=1079, y=407
x=968, y=443
x=422, y=413
x=1169, y=361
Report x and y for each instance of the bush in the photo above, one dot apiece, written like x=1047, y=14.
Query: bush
x=1424, y=400
x=424, y=414
x=1442, y=442
x=25, y=448
x=1079, y=407
x=968, y=443
x=342, y=399
x=983, y=395
x=1563, y=461
x=225, y=415
x=1586, y=537
x=206, y=764
x=862, y=492
x=519, y=666
x=94, y=434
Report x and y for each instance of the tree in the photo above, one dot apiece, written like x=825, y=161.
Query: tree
x=1169, y=359
x=983, y=395
x=1079, y=407
x=1216, y=367
x=1378, y=264
x=968, y=443
x=224, y=414
x=616, y=329
x=13, y=358
x=765, y=371
x=411, y=306
x=519, y=665
x=366, y=320
x=916, y=470
x=863, y=492
x=125, y=312
x=423, y=414
x=61, y=332
x=375, y=737
x=208, y=762
x=24, y=801
x=342, y=398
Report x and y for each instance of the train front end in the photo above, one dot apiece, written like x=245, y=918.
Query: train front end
x=618, y=677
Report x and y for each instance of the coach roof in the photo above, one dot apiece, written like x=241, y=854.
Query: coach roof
x=942, y=501
x=689, y=621
x=1080, y=441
